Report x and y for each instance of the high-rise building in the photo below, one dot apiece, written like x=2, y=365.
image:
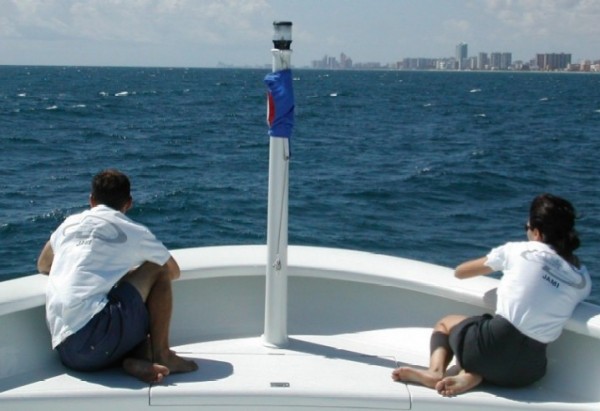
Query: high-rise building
x=495, y=60
x=419, y=63
x=345, y=61
x=553, y=61
x=461, y=55
x=505, y=61
x=482, y=61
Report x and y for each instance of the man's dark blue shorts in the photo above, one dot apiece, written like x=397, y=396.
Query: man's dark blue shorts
x=103, y=342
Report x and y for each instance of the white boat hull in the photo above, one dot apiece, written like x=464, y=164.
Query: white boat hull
x=352, y=317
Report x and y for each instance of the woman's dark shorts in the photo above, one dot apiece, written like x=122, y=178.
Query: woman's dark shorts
x=493, y=348
x=112, y=333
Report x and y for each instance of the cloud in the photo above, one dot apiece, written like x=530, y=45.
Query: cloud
x=144, y=21
x=457, y=26
x=542, y=18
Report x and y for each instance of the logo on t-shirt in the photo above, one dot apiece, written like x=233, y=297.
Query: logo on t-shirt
x=94, y=227
x=557, y=270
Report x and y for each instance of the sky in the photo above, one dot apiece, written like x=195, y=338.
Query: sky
x=206, y=33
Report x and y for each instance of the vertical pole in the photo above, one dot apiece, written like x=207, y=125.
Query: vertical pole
x=275, y=332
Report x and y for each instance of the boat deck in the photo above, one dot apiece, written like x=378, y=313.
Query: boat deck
x=244, y=374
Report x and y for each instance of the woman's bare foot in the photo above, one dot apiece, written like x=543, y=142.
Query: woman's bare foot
x=424, y=377
x=145, y=370
x=463, y=382
x=176, y=364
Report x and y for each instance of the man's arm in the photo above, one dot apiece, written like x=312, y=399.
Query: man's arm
x=45, y=259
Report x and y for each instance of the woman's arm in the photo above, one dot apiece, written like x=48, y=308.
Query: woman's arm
x=45, y=259
x=472, y=268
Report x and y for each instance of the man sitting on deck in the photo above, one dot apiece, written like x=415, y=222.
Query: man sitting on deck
x=109, y=296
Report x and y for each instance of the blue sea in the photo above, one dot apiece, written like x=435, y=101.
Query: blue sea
x=435, y=166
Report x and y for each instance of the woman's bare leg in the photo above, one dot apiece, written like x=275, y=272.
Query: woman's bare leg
x=440, y=356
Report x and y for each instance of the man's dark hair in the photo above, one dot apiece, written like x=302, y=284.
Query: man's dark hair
x=111, y=188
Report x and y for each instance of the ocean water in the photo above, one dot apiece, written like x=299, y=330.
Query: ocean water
x=436, y=166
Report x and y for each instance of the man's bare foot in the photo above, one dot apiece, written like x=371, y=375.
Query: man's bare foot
x=143, y=351
x=463, y=382
x=145, y=370
x=176, y=364
x=424, y=377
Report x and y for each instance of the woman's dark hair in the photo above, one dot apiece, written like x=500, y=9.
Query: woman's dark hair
x=555, y=218
x=111, y=188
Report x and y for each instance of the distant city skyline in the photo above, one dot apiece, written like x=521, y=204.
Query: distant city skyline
x=461, y=60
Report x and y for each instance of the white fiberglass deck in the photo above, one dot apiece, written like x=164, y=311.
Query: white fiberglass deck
x=314, y=372
x=307, y=373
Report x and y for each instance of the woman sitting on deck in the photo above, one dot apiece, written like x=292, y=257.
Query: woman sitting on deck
x=542, y=283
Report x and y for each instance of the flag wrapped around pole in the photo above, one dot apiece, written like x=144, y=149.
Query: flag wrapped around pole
x=280, y=103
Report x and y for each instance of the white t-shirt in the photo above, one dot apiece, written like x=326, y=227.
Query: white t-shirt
x=539, y=289
x=92, y=251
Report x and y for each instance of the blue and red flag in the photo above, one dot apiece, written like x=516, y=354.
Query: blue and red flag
x=280, y=108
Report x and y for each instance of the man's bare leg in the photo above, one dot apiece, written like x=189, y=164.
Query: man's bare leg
x=154, y=285
x=440, y=357
x=463, y=382
x=160, y=307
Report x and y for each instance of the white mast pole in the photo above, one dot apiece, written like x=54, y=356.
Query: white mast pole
x=275, y=332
